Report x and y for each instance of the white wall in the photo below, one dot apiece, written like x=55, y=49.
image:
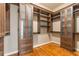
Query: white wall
x=55, y=39
x=35, y=23
x=40, y=39
x=11, y=41
x=56, y=26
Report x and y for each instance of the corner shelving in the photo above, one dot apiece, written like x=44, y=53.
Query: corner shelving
x=44, y=19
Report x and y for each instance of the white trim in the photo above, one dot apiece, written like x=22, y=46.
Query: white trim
x=41, y=44
x=77, y=49
x=7, y=54
x=56, y=42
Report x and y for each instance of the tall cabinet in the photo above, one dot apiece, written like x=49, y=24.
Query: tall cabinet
x=67, y=29
x=25, y=28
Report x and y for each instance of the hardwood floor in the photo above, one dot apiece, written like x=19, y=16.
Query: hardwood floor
x=51, y=49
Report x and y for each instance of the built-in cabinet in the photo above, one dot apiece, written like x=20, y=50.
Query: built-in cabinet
x=25, y=28
x=42, y=18
x=56, y=29
x=67, y=29
x=31, y=16
x=56, y=22
x=41, y=25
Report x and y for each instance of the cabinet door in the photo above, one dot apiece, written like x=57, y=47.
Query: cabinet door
x=67, y=29
x=70, y=28
x=25, y=29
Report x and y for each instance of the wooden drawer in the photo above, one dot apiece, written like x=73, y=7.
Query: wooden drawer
x=25, y=45
x=25, y=41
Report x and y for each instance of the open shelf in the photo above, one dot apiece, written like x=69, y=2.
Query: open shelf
x=44, y=26
x=44, y=19
x=35, y=13
x=57, y=16
x=46, y=16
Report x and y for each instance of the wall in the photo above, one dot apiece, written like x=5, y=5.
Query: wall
x=40, y=39
x=11, y=41
x=56, y=25
x=55, y=36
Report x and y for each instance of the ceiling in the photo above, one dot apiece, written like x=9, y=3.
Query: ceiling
x=51, y=5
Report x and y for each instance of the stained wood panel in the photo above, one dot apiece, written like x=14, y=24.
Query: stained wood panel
x=2, y=20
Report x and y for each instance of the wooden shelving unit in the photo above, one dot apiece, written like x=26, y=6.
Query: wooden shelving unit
x=67, y=29
x=55, y=17
x=76, y=8
x=36, y=14
x=44, y=19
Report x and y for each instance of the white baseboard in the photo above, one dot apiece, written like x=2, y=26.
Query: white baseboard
x=56, y=42
x=41, y=44
x=7, y=54
x=77, y=49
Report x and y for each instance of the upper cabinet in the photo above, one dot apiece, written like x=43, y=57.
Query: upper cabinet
x=67, y=28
